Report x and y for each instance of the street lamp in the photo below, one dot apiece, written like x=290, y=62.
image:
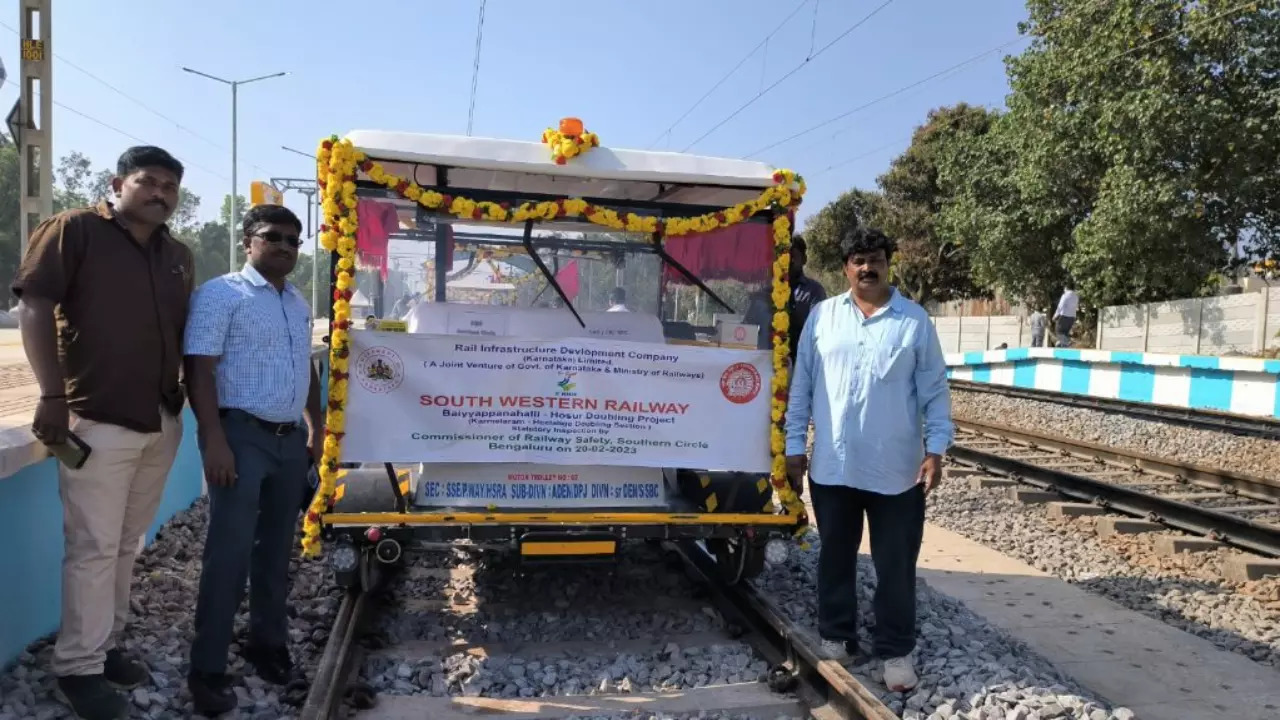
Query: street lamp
x=315, y=237
x=232, y=220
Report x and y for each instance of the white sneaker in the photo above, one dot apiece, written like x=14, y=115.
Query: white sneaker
x=900, y=673
x=834, y=650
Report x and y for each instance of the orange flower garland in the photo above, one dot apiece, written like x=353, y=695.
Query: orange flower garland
x=337, y=165
x=569, y=141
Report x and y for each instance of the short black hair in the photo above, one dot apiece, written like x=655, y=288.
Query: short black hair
x=144, y=156
x=797, y=243
x=268, y=215
x=861, y=240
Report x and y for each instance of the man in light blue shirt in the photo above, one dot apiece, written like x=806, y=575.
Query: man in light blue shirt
x=248, y=353
x=870, y=374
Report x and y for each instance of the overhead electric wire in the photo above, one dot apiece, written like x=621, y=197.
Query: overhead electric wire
x=887, y=96
x=791, y=72
x=475, y=70
x=813, y=27
x=862, y=156
x=133, y=100
x=763, y=43
x=113, y=128
x=1159, y=38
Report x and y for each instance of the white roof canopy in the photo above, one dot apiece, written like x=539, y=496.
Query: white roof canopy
x=604, y=173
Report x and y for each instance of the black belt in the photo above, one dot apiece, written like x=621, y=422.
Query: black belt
x=275, y=428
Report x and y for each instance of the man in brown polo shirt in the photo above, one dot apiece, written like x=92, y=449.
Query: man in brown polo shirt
x=104, y=294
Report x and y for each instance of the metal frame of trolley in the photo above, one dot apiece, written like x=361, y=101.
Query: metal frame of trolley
x=732, y=512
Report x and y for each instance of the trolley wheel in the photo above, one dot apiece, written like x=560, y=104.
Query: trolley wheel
x=737, y=559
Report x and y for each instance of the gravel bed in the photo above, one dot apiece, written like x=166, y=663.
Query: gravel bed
x=1186, y=592
x=559, y=674
x=967, y=668
x=1254, y=456
x=549, y=605
x=704, y=715
x=647, y=602
x=166, y=578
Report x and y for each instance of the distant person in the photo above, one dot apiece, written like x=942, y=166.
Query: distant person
x=248, y=352
x=870, y=374
x=1065, y=316
x=104, y=294
x=401, y=307
x=1039, y=319
x=618, y=301
x=805, y=293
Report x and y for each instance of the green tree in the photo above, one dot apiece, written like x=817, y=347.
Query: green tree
x=822, y=232
x=930, y=266
x=73, y=182
x=1139, y=150
x=10, y=228
x=988, y=213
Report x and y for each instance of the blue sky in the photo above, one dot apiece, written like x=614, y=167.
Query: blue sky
x=629, y=69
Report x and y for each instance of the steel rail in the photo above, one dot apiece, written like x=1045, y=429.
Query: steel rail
x=845, y=697
x=1252, y=486
x=825, y=686
x=1262, y=427
x=1231, y=529
x=324, y=699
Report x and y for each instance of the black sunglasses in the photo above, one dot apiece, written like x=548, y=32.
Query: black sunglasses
x=275, y=236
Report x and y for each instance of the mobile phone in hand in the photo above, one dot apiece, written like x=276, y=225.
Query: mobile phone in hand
x=73, y=453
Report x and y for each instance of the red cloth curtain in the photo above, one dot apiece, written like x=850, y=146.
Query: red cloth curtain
x=742, y=252
x=567, y=279
x=377, y=221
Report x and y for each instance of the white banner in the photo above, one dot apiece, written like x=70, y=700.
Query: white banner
x=519, y=485
x=579, y=401
x=501, y=321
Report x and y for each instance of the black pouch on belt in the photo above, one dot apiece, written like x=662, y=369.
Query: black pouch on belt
x=313, y=483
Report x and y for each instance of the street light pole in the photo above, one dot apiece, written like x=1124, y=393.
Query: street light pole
x=232, y=220
x=315, y=238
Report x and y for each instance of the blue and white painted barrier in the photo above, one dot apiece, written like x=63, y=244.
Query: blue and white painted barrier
x=31, y=530
x=31, y=527
x=1245, y=386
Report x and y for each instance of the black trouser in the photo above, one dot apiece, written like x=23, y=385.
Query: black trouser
x=897, y=526
x=1064, y=330
x=251, y=533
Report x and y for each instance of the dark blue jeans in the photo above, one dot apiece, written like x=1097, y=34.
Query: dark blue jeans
x=251, y=532
x=896, y=523
x=1064, y=331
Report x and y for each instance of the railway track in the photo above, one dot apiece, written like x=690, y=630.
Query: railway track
x=1261, y=427
x=661, y=634
x=1234, y=508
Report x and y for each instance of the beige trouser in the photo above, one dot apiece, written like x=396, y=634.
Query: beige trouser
x=107, y=505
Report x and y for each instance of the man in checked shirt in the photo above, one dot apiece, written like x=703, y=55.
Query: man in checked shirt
x=248, y=354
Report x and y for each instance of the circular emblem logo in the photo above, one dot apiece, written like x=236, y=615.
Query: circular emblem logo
x=739, y=333
x=379, y=370
x=740, y=383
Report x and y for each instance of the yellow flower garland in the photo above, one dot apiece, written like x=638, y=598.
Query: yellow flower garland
x=564, y=146
x=337, y=162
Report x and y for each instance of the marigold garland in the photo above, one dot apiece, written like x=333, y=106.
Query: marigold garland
x=337, y=165
x=565, y=146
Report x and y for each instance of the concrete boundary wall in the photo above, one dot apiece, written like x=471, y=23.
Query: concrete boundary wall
x=1245, y=386
x=31, y=524
x=981, y=332
x=1246, y=322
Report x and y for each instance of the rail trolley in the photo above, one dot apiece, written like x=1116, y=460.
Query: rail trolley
x=480, y=268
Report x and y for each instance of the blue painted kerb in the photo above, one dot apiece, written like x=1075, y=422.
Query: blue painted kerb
x=31, y=533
